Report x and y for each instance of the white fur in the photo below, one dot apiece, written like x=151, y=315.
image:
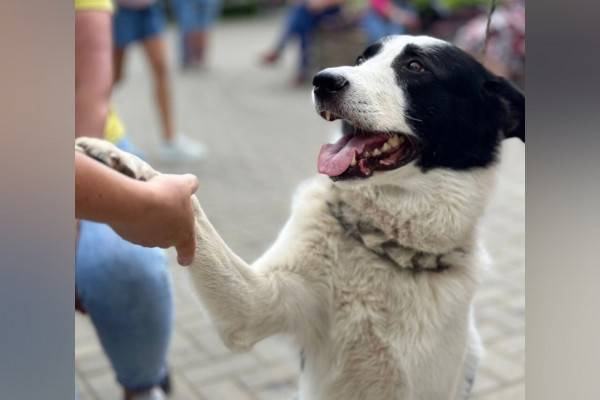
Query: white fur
x=371, y=327
x=373, y=98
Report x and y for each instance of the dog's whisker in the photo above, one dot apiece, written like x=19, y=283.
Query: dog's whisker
x=412, y=118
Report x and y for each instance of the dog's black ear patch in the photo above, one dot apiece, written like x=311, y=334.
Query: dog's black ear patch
x=372, y=50
x=369, y=52
x=513, y=102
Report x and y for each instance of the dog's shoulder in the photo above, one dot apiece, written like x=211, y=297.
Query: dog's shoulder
x=311, y=197
x=310, y=231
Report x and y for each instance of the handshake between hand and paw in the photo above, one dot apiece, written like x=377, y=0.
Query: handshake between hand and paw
x=154, y=210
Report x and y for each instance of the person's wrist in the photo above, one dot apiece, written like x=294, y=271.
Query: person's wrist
x=141, y=202
x=155, y=198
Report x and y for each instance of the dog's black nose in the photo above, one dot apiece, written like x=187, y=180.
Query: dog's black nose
x=328, y=83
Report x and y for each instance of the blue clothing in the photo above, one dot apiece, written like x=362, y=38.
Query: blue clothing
x=194, y=16
x=137, y=24
x=301, y=22
x=127, y=145
x=126, y=290
x=377, y=27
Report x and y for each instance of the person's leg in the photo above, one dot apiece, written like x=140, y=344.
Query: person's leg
x=126, y=290
x=175, y=148
x=153, y=24
x=118, y=64
x=306, y=26
x=182, y=10
x=126, y=31
x=212, y=11
x=197, y=40
x=293, y=25
x=204, y=14
x=157, y=56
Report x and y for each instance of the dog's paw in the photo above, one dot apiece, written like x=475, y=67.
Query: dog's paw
x=119, y=160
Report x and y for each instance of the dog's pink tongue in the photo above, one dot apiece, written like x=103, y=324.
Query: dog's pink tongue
x=335, y=159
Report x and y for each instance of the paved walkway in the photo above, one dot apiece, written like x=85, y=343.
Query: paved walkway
x=263, y=138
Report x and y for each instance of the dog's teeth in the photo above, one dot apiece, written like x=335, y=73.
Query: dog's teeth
x=367, y=154
x=394, y=141
x=400, y=139
x=328, y=115
x=353, y=163
x=386, y=147
x=376, y=152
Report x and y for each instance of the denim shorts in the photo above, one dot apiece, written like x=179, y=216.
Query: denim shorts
x=137, y=24
x=196, y=15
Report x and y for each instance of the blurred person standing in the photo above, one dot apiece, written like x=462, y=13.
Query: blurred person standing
x=123, y=287
x=143, y=21
x=195, y=18
x=302, y=19
x=389, y=17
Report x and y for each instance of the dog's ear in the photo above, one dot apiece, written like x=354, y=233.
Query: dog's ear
x=513, y=102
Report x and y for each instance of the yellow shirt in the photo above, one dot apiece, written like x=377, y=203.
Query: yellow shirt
x=114, y=130
x=101, y=5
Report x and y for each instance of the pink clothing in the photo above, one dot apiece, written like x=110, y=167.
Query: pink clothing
x=507, y=35
x=381, y=6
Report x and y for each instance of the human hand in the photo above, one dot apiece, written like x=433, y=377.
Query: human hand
x=165, y=218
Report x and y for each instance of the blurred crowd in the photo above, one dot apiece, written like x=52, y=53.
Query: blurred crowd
x=125, y=288
x=463, y=22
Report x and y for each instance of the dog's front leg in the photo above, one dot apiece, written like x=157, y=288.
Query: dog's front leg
x=248, y=303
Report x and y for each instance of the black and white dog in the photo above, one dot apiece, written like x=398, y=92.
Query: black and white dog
x=375, y=271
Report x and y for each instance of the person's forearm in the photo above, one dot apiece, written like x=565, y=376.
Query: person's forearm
x=156, y=212
x=104, y=195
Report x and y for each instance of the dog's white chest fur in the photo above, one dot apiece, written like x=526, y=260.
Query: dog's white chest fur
x=387, y=327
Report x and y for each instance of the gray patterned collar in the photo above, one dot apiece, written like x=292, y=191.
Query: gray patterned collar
x=386, y=245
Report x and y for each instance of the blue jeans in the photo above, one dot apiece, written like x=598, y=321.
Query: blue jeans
x=126, y=290
x=301, y=22
x=377, y=27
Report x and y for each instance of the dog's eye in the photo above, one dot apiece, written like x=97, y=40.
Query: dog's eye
x=415, y=66
x=360, y=60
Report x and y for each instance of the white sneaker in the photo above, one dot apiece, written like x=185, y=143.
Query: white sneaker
x=181, y=149
x=154, y=394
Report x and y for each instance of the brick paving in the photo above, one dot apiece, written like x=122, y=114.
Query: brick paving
x=263, y=138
